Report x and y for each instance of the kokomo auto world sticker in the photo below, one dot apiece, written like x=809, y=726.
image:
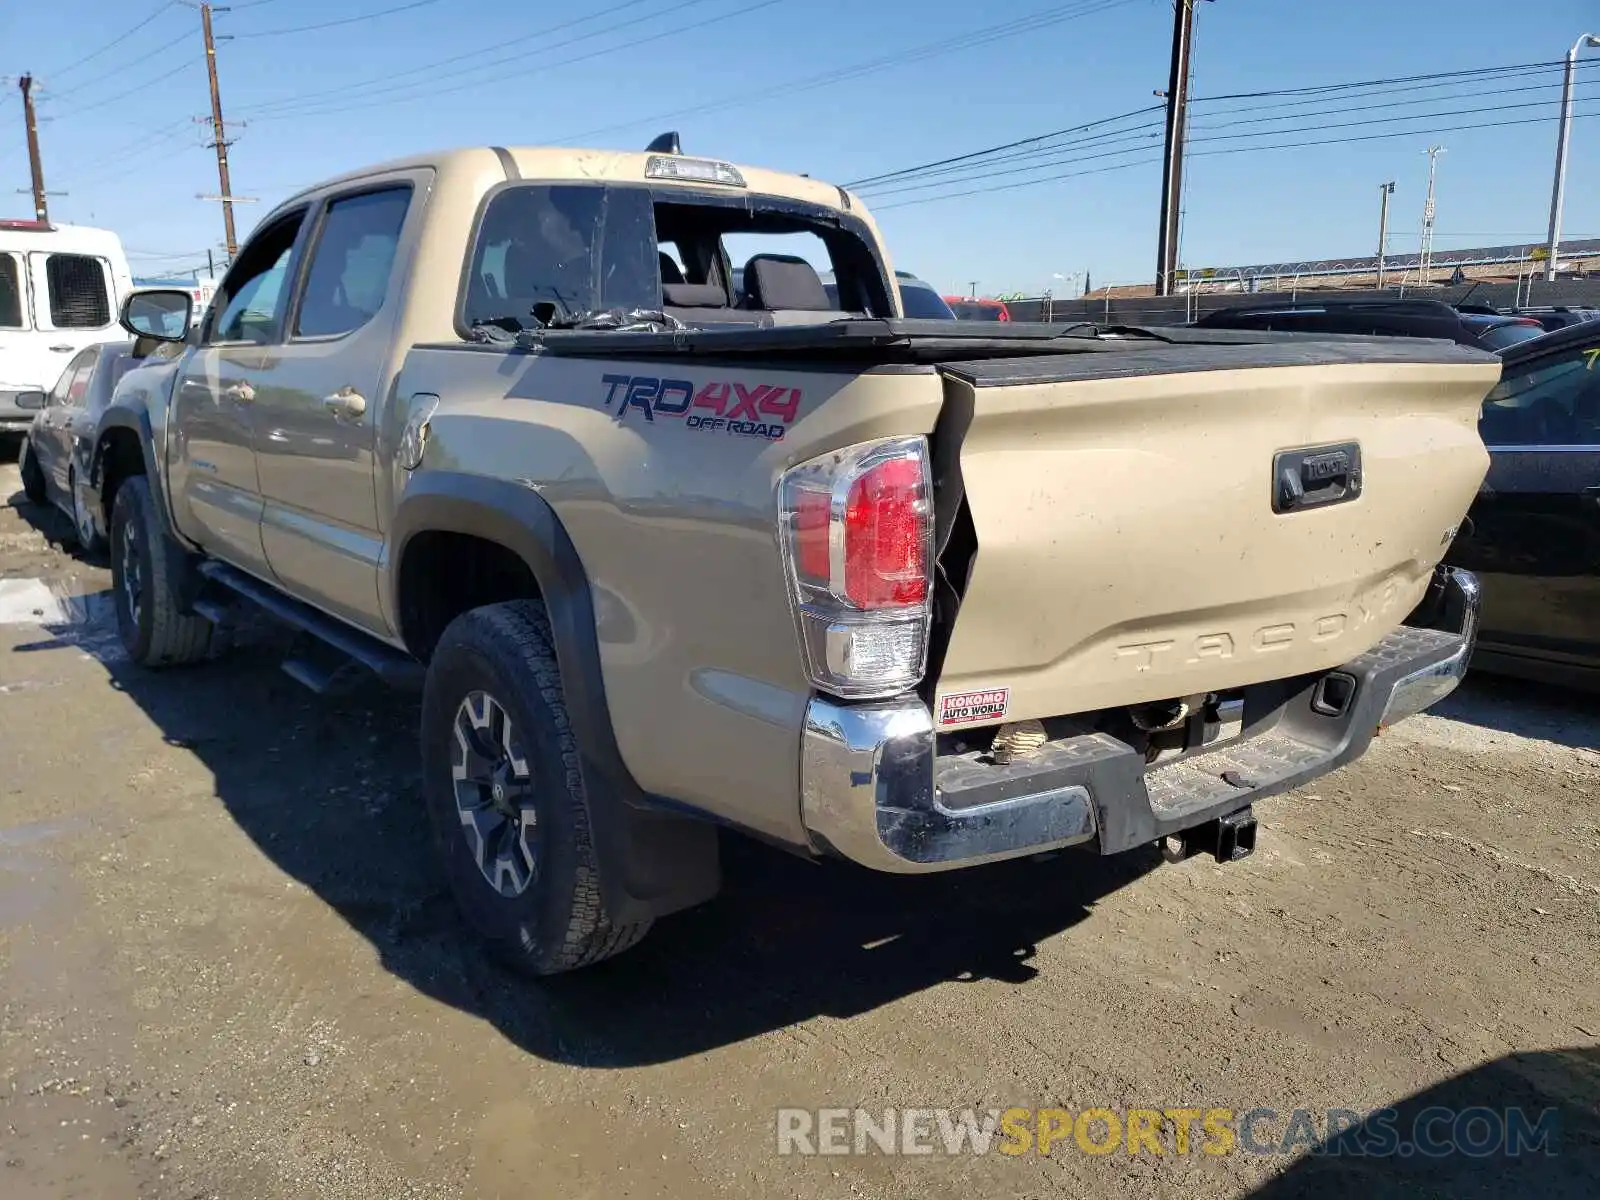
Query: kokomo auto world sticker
x=964, y=707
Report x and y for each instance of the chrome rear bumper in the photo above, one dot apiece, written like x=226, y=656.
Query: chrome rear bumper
x=876, y=790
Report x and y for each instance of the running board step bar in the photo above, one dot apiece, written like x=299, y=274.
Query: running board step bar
x=394, y=667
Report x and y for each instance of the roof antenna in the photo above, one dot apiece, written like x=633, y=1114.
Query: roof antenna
x=667, y=143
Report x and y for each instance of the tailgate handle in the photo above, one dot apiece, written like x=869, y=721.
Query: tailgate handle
x=1315, y=476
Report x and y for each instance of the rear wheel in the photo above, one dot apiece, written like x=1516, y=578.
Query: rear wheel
x=146, y=566
x=505, y=794
x=83, y=521
x=33, y=482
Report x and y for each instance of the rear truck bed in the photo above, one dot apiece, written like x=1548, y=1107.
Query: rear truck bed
x=1169, y=582
x=1048, y=588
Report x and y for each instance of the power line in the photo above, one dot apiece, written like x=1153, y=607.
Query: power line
x=975, y=165
x=1298, y=145
x=429, y=91
x=964, y=173
x=1387, y=104
x=959, y=158
x=187, y=65
x=1143, y=162
x=114, y=42
x=1373, y=137
x=435, y=64
x=978, y=37
x=1522, y=71
x=1472, y=72
x=1104, y=153
x=380, y=85
x=355, y=20
x=1454, y=77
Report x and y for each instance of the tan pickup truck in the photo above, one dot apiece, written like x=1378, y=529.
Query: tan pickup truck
x=666, y=554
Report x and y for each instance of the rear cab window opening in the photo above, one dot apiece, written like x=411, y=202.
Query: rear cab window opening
x=556, y=254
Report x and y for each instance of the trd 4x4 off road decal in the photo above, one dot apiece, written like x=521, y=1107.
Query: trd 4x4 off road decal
x=760, y=410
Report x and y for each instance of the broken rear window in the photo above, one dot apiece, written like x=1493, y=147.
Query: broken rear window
x=580, y=248
x=545, y=252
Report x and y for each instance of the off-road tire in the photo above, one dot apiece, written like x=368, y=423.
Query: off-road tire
x=158, y=633
x=93, y=543
x=33, y=481
x=558, y=923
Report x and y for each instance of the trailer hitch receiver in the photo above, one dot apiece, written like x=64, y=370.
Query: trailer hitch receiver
x=1228, y=839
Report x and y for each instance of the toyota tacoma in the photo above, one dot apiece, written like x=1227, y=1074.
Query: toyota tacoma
x=663, y=556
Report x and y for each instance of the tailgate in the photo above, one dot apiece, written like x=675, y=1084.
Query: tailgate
x=1127, y=543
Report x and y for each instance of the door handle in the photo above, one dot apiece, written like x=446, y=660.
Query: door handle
x=60, y=349
x=239, y=393
x=346, y=402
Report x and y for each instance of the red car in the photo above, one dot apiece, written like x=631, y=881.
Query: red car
x=968, y=309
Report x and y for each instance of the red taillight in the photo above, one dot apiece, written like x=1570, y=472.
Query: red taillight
x=858, y=550
x=885, y=563
x=813, y=513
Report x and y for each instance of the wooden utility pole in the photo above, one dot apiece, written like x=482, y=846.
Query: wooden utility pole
x=219, y=136
x=1385, y=190
x=1172, y=160
x=41, y=207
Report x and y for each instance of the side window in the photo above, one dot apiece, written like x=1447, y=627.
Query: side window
x=1553, y=401
x=79, y=296
x=249, y=307
x=11, y=305
x=74, y=380
x=351, y=262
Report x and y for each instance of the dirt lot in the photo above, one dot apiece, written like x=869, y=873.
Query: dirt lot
x=227, y=968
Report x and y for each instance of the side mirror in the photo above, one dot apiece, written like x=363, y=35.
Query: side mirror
x=29, y=400
x=158, y=313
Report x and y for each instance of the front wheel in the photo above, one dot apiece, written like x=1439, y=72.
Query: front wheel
x=146, y=566
x=505, y=794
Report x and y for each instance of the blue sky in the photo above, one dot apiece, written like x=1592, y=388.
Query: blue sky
x=119, y=136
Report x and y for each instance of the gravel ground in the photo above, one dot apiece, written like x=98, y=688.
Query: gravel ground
x=228, y=969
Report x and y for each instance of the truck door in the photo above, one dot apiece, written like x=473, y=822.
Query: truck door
x=319, y=395
x=1535, y=528
x=212, y=462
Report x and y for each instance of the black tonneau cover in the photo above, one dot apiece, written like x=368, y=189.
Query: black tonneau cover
x=1302, y=350
x=950, y=342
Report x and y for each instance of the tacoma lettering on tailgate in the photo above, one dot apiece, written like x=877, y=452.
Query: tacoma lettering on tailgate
x=759, y=410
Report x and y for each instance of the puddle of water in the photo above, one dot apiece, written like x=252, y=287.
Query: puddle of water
x=88, y=622
x=34, y=602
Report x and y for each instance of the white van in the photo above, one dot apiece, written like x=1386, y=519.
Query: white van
x=60, y=289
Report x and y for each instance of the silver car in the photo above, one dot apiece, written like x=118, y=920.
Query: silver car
x=55, y=456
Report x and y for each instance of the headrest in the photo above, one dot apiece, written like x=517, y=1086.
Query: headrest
x=776, y=281
x=669, y=269
x=522, y=264
x=693, y=295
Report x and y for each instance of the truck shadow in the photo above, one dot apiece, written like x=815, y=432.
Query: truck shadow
x=328, y=789
x=1478, y=1110
x=1543, y=712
